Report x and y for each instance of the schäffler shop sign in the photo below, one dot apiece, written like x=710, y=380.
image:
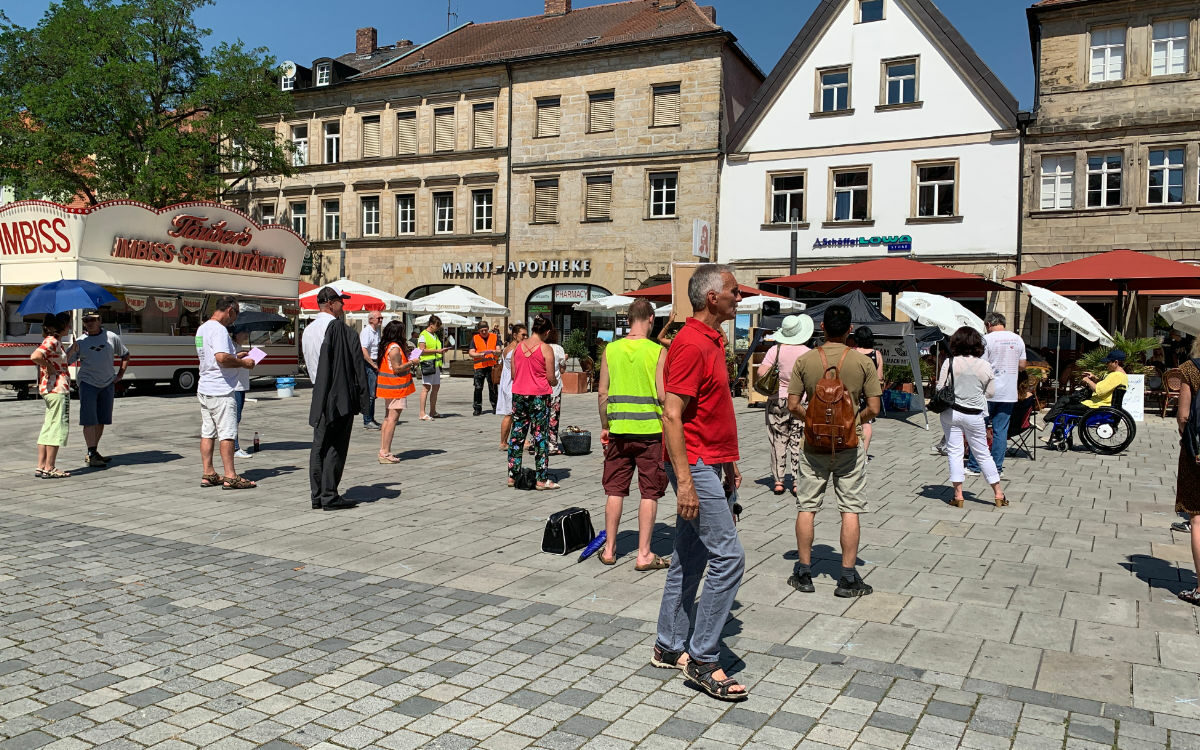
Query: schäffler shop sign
x=902, y=243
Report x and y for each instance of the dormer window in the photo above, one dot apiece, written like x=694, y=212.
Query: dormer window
x=287, y=83
x=870, y=10
x=324, y=73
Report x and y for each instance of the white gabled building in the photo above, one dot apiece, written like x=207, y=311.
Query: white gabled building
x=881, y=132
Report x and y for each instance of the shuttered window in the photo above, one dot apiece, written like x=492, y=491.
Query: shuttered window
x=549, y=117
x=406, y=133
x=600, y=112
x=666, y=105
x=443, y=129
x=599, y=198
x=370, y=136
x=485, y=126
x=545, y=201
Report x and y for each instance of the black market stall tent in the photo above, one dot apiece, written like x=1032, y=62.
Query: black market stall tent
x=896, y=341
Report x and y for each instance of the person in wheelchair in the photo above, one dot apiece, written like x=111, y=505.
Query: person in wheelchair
x=1101, y=394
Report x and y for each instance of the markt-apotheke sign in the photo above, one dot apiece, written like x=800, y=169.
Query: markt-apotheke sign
x=901, y=243
x=558, y=267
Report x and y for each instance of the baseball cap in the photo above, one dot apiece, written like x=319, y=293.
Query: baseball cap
x=329, y=294
x=90, y=314
x=1116, y=355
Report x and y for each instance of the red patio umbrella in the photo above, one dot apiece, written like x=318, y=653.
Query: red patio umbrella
x=662, y=292
x=1116, y=272
x=890, y=275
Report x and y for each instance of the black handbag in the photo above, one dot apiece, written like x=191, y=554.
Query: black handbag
x=943, y=398
x=428, y=367
x=568, y=530
x=526, y=479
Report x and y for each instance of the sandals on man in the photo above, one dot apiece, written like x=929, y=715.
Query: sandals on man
x=606, y=560
x=238, y=483
x=664, y=659
x=658, y=563
x=211, y=480
x=701, y=673
x=1191, y=596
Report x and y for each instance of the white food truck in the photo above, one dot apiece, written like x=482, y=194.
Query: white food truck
x=167, y=267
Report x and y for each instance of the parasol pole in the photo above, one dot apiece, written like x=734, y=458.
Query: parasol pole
x=1057, y=359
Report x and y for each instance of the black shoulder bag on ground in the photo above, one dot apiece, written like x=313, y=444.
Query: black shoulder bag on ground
x=943, y=398
x=568, y=530
x=1191, y=431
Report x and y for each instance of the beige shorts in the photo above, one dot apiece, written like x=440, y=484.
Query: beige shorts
x=397, y=404
x=218, y=417
x=847, y=469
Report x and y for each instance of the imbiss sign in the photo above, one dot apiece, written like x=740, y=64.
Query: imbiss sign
x=557, y=267
x=128, y=243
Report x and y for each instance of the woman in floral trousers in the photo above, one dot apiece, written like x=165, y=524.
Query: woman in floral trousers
x=534, y=376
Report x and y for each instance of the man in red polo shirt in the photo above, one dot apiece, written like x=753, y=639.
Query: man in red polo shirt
x=700, y=438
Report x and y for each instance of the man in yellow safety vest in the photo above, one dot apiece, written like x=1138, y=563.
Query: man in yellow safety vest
x=631, y=394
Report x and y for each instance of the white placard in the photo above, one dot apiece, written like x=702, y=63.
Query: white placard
x=701, y=239
x=1135, y=398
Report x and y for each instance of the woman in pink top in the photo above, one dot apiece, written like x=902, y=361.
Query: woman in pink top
x=54, y=385
x=785, y=432
x=533, y=381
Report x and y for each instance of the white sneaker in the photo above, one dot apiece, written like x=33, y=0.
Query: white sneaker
x=971, y=472
x=243, y=454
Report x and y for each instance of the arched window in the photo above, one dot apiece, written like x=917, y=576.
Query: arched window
x=428, y=289
x=559, y=300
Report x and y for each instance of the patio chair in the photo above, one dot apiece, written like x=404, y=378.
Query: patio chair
x=1172, y=382
x=1022, y=432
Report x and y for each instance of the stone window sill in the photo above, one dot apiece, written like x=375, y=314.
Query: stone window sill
x=853, y=223
x=831, y=113
x=1169, y=208
x=1079, y=212
x=899, y=106
x=781, y=226
x=934, y=220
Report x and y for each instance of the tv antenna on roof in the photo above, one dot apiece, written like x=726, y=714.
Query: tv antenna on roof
x=451, y=16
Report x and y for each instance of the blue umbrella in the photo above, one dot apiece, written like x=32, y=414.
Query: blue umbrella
x=61, y=296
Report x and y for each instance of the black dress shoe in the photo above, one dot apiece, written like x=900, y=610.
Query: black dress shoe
x=476, y=413
x=340, y=505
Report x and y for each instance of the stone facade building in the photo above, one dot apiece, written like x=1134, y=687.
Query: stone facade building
x=538, y=161
x=1112, y=150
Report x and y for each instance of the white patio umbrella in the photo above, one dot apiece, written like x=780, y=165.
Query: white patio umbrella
x=935, y=310
x=458, y=300
x=1183, y=314
x=1068, y=313
x=613, y=303
x=449, y=320
x=392, y=302
x=751, y=305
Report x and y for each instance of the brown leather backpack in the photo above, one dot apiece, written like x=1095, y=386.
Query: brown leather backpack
x=831, y=416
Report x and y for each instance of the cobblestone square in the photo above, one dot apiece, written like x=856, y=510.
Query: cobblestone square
x=141, y=610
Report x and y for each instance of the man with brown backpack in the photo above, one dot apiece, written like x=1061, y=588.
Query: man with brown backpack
x=835, y=378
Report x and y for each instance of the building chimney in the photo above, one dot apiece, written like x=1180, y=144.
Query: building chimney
x=365, y=41
x=710, y=12
x=404, y=43
x=558, y=7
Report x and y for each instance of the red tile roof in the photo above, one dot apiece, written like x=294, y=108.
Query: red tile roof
x=580, y=29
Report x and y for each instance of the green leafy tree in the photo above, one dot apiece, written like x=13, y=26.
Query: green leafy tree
x=118, y=99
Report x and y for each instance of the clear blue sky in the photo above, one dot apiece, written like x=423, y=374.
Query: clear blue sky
x=306, y=29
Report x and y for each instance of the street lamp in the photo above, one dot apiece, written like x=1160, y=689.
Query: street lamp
x=794, y=220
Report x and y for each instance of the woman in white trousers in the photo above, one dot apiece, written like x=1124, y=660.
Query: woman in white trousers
x=974, y=383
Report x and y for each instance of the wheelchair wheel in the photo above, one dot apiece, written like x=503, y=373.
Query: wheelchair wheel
x=1107, y=431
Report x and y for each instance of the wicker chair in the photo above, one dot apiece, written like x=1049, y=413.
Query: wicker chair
x=1172, y=382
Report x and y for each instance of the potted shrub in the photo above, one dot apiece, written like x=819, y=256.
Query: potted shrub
x=575, y=345
x=1136, y=350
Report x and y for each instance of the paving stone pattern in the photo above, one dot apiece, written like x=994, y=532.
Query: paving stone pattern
x=142, y=611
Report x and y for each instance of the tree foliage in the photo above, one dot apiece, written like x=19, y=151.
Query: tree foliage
x=118, y=99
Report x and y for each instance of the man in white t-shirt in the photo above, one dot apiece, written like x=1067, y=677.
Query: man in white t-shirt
x=1005, y=351
x=220, y=365
x=95, y=351
x=369, y=340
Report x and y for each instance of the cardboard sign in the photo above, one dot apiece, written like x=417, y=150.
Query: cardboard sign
x=681, y=274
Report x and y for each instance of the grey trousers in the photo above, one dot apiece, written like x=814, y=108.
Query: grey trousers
x=786, y=435
x=708, y=541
